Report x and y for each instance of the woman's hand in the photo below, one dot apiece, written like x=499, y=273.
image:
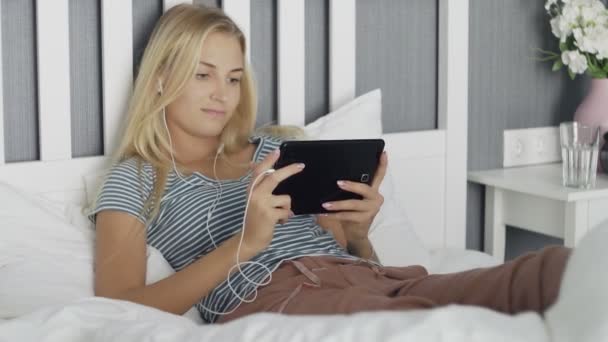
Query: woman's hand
x=266, y=209
x=356, y=216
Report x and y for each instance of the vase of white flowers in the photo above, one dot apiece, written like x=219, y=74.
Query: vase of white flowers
x=582, y=29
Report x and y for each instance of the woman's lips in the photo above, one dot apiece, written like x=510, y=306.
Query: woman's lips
x=214, y=112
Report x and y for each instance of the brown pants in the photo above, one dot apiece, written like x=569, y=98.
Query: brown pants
x=327, y=285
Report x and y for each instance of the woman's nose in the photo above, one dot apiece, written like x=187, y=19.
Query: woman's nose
x=219, y=93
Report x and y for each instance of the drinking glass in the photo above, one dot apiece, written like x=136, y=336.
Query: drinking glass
x=580, y=146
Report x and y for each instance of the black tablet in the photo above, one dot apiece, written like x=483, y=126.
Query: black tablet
x=327, y=161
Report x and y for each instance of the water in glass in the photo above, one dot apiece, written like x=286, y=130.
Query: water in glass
x=580, y=148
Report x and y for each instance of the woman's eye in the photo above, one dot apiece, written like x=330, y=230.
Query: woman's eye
x=235, y=80
x=202, y=76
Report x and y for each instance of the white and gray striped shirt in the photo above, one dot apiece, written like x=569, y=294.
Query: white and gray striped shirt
x=179, y=230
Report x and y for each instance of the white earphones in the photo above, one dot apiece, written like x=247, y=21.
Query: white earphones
x=159, y=87
x=209, y=215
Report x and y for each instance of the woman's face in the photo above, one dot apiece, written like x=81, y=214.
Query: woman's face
x=212, y=94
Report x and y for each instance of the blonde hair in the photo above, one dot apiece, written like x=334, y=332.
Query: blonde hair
x=171, y=57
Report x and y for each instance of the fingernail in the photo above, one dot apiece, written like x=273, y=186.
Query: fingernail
x=276, y=152
x=301, y=165
x=324, y=215
x=341, y=183
x=291, y=214
x=327, y=205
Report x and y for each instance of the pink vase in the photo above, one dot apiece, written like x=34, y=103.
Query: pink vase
x=593, y=111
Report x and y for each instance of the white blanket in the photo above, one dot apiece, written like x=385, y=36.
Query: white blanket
x=580, y=315
x=97, y=319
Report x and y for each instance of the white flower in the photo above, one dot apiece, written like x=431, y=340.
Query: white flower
x=584, y=42
x=571, y=13
x=555, y=28
x=575, y=61
x=602, y=49
x=591, y=39
x=580, y=2
x=585, y=24
x=563, y=25
x=589, y=14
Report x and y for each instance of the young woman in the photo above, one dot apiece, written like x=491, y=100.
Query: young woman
x=191, y=180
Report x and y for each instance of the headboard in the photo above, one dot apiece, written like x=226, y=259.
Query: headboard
x=429, y=167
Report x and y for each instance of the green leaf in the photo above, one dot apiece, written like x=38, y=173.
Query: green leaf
x=545, y=59
x=598, y=74
x=572, y=74
x=570, y=43
x=606, y=67
x=545, y=56
x=547, y=53
x=593, y=68
x=563, y=46
x=557, y=65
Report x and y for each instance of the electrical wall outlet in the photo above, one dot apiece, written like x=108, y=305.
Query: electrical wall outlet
x=531, y=146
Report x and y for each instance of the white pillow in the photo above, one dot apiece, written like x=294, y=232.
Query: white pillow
x=92, y=184
x=392, y=235
x=359, y=119
x=46, y=260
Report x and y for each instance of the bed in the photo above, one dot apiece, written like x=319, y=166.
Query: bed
x=46, y=254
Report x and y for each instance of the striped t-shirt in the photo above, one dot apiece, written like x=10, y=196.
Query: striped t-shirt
x=179, y=230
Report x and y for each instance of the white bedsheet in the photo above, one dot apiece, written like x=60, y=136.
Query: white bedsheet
x=578, y=315
x=98, y=319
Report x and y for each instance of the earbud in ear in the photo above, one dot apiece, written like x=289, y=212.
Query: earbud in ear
x=220, y=149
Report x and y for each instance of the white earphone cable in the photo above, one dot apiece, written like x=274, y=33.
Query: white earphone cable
x=209, y=215
x=238, y=264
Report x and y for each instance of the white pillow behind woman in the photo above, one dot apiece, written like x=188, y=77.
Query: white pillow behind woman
x=45, y=259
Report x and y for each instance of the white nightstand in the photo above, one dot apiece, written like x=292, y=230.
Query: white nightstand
x=533, y=198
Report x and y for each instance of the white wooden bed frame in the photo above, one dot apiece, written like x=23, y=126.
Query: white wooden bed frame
x=428, y=167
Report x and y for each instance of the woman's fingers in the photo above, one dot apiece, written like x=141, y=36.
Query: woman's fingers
x=349, y=209
x=263, y=166
x=282, y=215
x=351, y=216
x=272, y=180
x=367, y=207
x=380, y=171
x=348, y=205
x=266, y=163
x=281, y=201
x=359, y=188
